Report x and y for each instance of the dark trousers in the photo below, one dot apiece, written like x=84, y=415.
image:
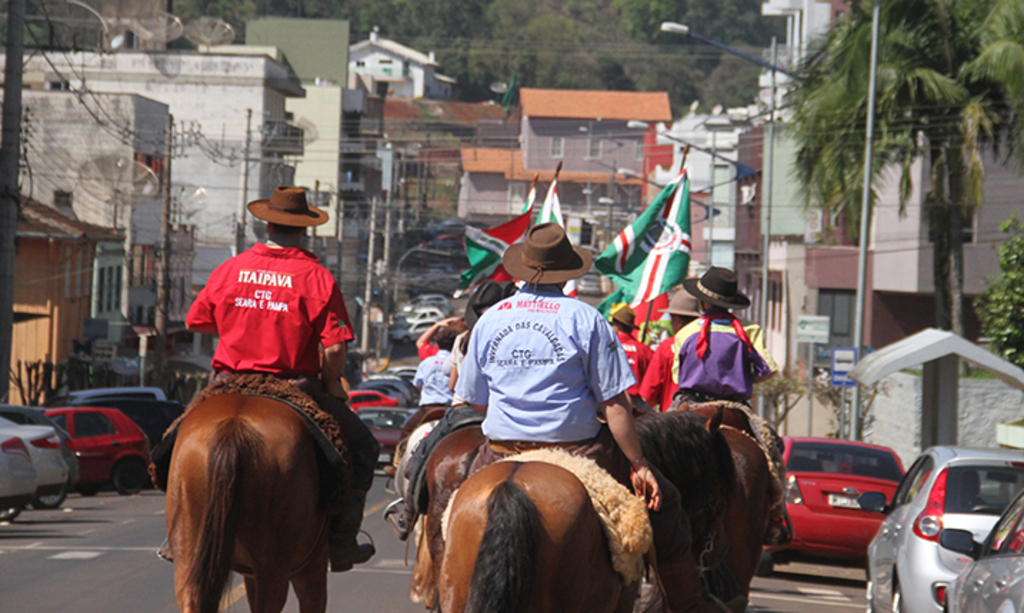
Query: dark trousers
x=670, y=524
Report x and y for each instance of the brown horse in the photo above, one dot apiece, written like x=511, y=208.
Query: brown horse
x=525, y=537
x=243, y=494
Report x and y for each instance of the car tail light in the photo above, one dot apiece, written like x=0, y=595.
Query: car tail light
x=793, y=495
x=929, y=523
x=15, y=446
x=939, y=593
x=47, y=442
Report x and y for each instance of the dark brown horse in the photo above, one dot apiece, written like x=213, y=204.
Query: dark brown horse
x=525, y=537
x=243, y=494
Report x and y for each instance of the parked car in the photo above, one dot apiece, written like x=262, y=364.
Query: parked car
x=406, y=393
x=84, y=397
x=589, y=284
x=37, y=416
x=404, y=332
x=423, y=300
x=110, y=448
x=408, y=373
x=17, y=474
x=358, y=399
x=430, y=314
x=43, y=447
x=153, y=417
x=994, y=578
x=386, y=425
x=947, y=487
x=825, y=477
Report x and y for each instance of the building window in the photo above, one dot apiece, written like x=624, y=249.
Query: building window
x=839, y=305
x=593, y=148
x=586, y=233
x=61, y=199
x=640, y=151
x=557, y=146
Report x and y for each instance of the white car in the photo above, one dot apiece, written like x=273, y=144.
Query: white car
x=947, y=487
x=994, y=578
x=421, y=314
x=428, y=300
x=406, y=332
x=17, y=475
x=44, y=450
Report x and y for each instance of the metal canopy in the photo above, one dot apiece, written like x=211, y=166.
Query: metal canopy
x=926, y=346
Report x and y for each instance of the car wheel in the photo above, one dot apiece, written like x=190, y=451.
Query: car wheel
x=87, y=490
x=129, y=477
x=11, y=513
x=766, y=565
x=53, y=501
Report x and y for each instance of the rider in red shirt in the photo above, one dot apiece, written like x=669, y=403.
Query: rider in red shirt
x=274, y=307
x=638, y=354
x=658, y=386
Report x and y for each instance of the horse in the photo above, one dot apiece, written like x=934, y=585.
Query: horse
x=746, y=516
x=525, y=537
x=236, y=459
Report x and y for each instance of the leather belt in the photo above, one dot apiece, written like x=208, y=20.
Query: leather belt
x=521, y=446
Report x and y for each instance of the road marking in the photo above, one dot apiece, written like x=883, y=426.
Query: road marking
x=391, y=563
x=820, y=593
x=384, y=571
x=34, y=545
x=84, y=532
x=38, y=547
x=76, y=555
x=129, y=521
x=377, y=507
x=232, y=597
x=830, y=603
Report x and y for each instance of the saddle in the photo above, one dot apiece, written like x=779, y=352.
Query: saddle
x=449, y=422
x=330, y=447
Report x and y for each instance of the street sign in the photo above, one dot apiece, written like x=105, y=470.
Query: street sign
x=843, y=361
x=812, y=329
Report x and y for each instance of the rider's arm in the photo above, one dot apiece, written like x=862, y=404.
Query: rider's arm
x=429, y=333
x=619, y=415
x=333, y=369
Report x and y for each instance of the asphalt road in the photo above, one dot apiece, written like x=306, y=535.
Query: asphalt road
x=98, y=554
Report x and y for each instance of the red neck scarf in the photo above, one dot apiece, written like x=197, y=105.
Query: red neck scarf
x=705, y=328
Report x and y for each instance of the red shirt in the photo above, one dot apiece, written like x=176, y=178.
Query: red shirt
x=639, y=356
x=273, y=308
x=658, y=383
x=427, y=351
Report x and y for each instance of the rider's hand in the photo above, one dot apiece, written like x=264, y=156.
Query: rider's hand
x=449, y=321
x=336, y=389
x=645, y=485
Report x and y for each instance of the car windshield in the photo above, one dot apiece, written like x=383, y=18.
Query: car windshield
x=982, y=489
x=844, y=459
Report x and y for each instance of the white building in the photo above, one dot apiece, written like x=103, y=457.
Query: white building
x=392, y=69
x=209, y=95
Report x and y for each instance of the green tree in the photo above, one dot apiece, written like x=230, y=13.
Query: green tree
x=1001, y=308
x=944, y=91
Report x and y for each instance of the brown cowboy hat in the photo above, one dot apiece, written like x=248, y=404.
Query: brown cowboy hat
x=683, y=304
x=287, y=207
x=719, y=287
x=625, y=316
x=547, y=256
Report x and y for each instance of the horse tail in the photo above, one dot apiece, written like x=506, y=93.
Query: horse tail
x=235, y=449
x=504, y=569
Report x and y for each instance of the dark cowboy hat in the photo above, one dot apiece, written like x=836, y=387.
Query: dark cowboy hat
x=719, y=287
x=683, y=304
x=287, y=207
x=547, y=256
x=625, y=316
x=487, y=295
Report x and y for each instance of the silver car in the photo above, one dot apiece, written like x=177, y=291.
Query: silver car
x=993, y=581
x=947, y=487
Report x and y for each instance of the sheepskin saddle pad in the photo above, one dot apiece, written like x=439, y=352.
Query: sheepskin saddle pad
x=330, y=447
x=623, y=515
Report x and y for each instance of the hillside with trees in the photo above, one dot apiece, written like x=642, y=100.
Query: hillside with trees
x=573, y=44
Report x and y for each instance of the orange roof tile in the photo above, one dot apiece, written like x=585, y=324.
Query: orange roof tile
x=497, y=161
x=591, y=104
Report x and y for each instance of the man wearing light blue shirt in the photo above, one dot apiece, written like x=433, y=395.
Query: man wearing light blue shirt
x=435, y=393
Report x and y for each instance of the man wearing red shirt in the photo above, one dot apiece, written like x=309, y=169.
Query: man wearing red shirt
x=638, y=354
x=274, y=307
x=658, y=386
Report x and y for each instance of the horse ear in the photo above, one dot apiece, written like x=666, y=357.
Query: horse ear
x=715, y=421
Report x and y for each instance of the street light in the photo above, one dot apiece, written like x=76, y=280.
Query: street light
x=678, y=28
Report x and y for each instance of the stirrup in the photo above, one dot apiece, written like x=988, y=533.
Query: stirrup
x=164, y=553
x=395, y=514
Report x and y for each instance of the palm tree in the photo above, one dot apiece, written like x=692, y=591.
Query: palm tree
x=950, y=79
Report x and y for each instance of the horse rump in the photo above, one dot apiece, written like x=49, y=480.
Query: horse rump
x=503, y=573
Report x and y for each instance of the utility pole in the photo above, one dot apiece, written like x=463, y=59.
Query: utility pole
x=711, y=199
x=164, y=262
x=10, y=197
x=242, y=201
x=364, y=334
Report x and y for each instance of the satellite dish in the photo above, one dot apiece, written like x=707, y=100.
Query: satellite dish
x=162, y=27
x=117, y=41
x=191, y=200
x=209, y=31
x=717, y=110
x=117, y=180
x=499, y=87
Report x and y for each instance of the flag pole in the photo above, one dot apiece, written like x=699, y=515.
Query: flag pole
x=650, y=309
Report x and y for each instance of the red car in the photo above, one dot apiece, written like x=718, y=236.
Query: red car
x=369, y=398
x=386, y=425
x=109, y=446
x=825, y=478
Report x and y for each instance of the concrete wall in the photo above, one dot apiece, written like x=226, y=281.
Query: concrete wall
x=984, y=403
x=319, y=114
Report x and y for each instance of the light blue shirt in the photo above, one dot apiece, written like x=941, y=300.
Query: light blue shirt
x=432, y=380
x=542, y=362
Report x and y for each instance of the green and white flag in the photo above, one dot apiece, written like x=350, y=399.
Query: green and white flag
x=651, y=255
